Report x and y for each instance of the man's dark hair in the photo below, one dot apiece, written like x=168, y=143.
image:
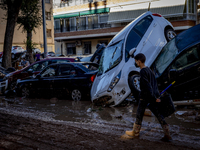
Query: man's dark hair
x=140, y=57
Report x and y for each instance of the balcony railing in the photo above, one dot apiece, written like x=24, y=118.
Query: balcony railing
x=82, y=28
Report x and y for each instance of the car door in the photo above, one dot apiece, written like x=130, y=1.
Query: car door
x=62, y=81
x=47, y=79
x=187, y=65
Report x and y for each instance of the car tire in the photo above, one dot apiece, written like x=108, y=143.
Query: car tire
x=76, y=95
x=169, y=34
x=25, y=92
x=134, y=83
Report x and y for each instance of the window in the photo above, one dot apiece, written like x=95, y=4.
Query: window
x=72, y=24
x=38, y=66
x=82, y=23
x=191, y=6
x=49, y=33
x=187, y=58
x=137, y=33
x=66, y=70
x=87, y=46
x=142, y=26
x=57, y=25
x=49, y=71
x=47, y=1
x=48, y=15
x=71, y=49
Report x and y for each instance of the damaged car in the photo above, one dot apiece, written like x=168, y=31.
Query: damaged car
x=65, y=79
x=118, y=76
x=32, y=69
x=179, y=61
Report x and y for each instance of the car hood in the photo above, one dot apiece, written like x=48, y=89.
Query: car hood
x=102, y=82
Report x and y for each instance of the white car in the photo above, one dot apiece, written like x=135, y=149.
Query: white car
x=36, y=50
x=118, y=76
x=15, y=50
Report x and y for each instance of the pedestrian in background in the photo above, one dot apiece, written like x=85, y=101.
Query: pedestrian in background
x=24, y=63
x=37, y=56
x=149, y=95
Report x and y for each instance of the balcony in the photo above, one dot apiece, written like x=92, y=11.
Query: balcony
x=81, y=28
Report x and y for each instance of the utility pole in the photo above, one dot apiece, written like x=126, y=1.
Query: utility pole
x=44, y=28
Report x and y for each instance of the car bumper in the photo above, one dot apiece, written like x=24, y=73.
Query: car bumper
x=112, y=98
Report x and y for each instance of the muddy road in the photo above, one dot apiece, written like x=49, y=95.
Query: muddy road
x=63, y=124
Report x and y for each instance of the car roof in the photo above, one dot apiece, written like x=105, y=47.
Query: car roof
x=188, y=37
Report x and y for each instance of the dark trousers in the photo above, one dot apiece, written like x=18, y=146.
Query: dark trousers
x=154, y=109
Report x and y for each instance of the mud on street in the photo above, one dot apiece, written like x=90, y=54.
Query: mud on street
x=65, y=124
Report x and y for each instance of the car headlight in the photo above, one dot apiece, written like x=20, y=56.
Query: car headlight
x=114, y=82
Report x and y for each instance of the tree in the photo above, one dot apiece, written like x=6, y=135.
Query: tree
x=12, y=8
x=29, y=19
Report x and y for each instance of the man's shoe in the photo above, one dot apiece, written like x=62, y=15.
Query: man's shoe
x=135, y=131
x=167, y=137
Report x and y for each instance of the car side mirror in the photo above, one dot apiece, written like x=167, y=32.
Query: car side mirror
x=30, y=71
x=38, y=76
x=132, y=52
x=172, y=74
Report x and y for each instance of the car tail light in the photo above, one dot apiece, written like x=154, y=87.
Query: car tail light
x=92, y=78
x=157, y=15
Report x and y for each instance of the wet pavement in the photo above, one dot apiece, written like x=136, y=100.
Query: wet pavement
x=183, y=120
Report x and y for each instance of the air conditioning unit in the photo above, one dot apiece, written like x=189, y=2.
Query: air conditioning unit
x=78, y=43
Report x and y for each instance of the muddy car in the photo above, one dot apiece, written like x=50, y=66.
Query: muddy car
x=179, y=61
x=32, y=69
x=74, y=79
x=117, y=75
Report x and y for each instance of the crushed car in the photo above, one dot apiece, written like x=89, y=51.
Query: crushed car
x=74, y=79
x=179, y=61
x=118, y=76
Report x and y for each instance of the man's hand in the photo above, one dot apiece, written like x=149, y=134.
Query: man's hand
x=158, y=100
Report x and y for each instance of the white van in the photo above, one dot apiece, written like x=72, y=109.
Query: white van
x=117, y=75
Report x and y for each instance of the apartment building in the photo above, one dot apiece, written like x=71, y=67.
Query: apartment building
x=79, y=25
x=20, y=37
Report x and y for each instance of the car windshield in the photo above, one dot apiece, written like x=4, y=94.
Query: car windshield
x=111, y=57
x=165, y=57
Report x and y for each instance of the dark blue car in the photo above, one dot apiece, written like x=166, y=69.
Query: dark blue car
x=179, y=61
x=72, y=79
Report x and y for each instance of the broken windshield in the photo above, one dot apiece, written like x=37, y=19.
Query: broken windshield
x=111, y=57
x=165, y=57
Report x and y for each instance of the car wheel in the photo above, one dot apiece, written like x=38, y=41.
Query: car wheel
x=76, y=95
x=169, y=34
x=25, y=92
x=134, y=83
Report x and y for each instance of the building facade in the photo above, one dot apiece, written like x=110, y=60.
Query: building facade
x=20, y=37
x=79, y=25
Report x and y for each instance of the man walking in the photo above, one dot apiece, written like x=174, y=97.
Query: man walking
x=149, y=95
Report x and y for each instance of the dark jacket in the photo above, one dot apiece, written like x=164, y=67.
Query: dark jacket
x=148, y=85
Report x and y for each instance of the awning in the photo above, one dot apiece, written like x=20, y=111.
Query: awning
x=130, y=15
x=82, y=13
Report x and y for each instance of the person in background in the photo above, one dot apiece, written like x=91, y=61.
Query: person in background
x=24, y=63
x=37, y=56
